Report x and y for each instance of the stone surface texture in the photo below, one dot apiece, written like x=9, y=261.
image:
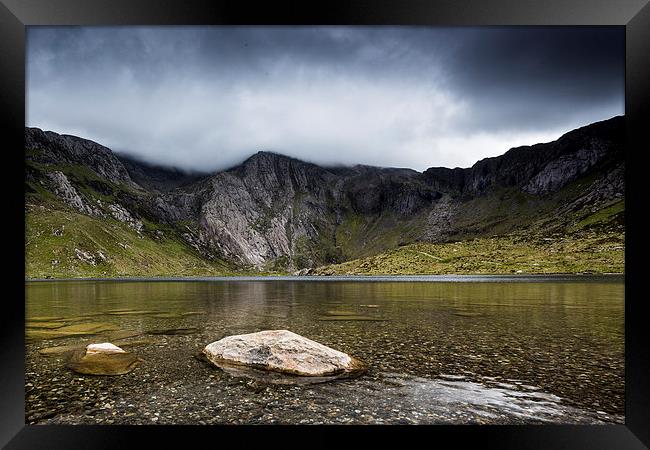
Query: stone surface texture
x=280, y=351
x=105, y=347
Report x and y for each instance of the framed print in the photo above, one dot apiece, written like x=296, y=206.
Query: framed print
x=417, y=218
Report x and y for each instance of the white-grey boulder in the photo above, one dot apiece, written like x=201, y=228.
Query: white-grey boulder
x=104, y=347
x=281, y=351
x=102, y=359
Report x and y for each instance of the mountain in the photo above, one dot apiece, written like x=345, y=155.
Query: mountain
x=157, y=178
x=276, y=213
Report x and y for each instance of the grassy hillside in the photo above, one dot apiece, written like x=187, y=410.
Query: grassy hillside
x=63, y=243
x=593, y=243
x=363, y=236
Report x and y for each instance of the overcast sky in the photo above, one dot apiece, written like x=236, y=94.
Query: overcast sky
x=206, y=98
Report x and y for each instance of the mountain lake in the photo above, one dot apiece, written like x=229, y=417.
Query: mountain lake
x=439, y=349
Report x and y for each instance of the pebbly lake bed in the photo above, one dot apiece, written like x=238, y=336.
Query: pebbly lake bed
x=439, y=349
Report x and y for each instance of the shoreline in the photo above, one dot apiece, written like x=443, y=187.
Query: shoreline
x=398, y=278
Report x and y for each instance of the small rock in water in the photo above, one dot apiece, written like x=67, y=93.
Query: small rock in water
x=102, y=359
x=105, y=347
x=281, y=351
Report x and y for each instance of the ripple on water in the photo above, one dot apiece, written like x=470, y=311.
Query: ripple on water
x=70, y=330
x=501, y=400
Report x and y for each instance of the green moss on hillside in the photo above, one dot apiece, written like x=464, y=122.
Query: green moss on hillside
x=358, y=236
x=63, y=243
x=578, y=253
x=594, y=243
x=604, y=216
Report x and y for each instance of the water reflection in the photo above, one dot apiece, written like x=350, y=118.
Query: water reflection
x=564, y=337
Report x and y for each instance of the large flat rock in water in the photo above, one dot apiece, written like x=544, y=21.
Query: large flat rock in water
x=281, y=351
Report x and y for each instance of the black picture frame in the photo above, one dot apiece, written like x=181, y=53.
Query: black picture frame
x=634, y=15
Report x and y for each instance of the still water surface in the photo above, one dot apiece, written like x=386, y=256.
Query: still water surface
x=440, y=350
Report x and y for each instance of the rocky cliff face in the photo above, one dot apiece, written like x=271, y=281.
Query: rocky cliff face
x=263, y=209
x=540, y=168
x=51, y=148
x=276, y=211
x=62, y=187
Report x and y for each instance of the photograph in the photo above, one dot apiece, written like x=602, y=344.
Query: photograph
x=325, y=225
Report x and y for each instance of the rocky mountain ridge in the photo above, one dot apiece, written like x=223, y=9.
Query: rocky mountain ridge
x=274, y=212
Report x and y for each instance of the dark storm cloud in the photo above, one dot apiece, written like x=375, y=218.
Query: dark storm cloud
x=541, y=75
x=207, y=97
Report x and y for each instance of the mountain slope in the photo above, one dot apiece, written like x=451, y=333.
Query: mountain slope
x=278, y=213
x=64, y=243
x=157, y=178
x=593, y=244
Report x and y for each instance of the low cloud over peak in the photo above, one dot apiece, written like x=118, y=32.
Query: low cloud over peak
x=206, y=98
